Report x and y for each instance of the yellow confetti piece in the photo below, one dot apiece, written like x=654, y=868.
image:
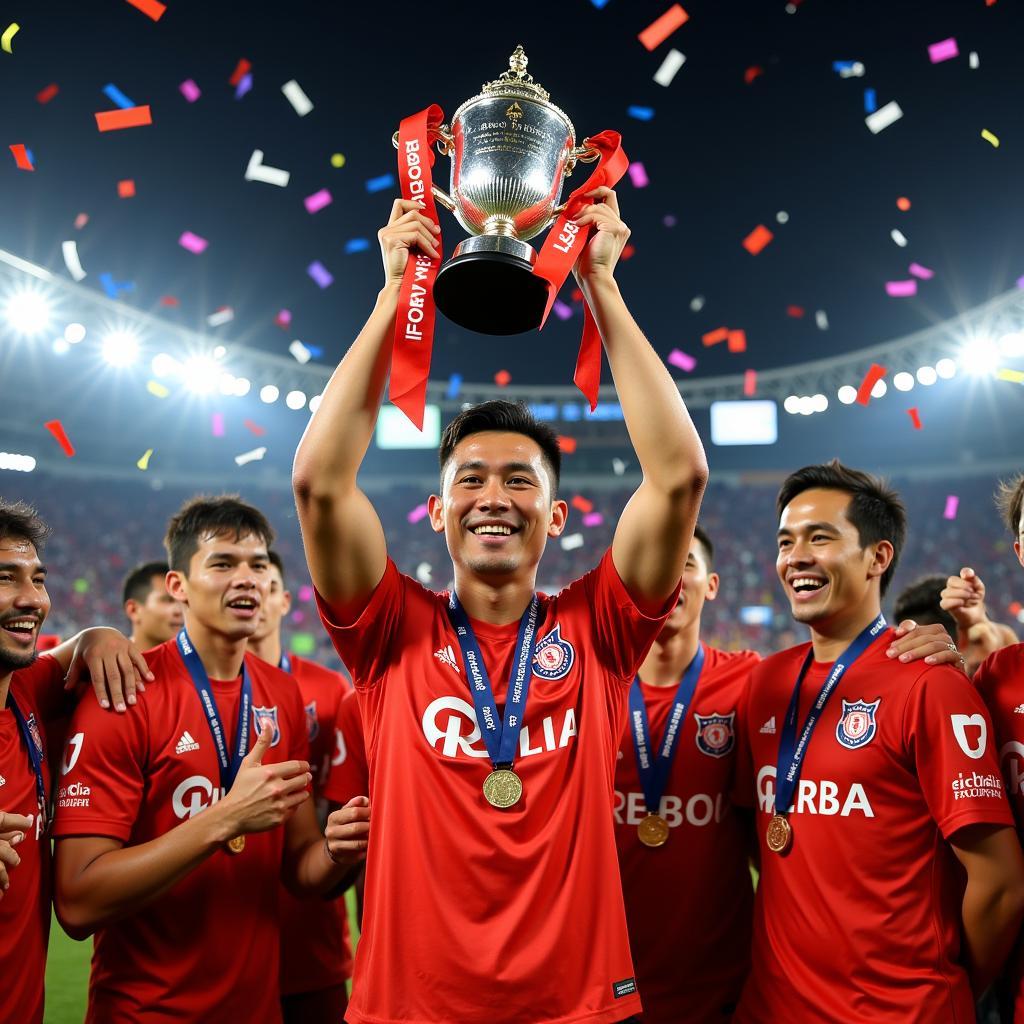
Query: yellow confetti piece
x=154, y=387
x=143, y=463
x=1013, y=376
x=338, y=160
x=989, y=137
x=9, y=33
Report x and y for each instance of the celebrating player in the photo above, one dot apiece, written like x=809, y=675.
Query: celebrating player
x=492, y=888
x=873, y=777
x=169, y=845
x=316, y=953
x=977, y=635
x=155, y=615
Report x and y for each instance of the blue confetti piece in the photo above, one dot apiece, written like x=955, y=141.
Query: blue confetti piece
x=870, y=101
x=842, y=65
x=381, y=183
x=641, y=113
x=244, y=85
x=600, y=4
x=117, y=97
x=357, y=245
x=454, y=387
x=315, y=351
x=114, y=288
x=31, y=156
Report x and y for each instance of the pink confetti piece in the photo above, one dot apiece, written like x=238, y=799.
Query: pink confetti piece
x=81, y=220
x=561, y=310
x=901, y=289
x=318, y=200
x=682, y=360
x=593, y=519
x=922, y=272
x=952, y=503
x=749, y=383
x=305, y=592
x=283, y=318
x=190, y=90
x=638, y=175
x=192, y=242
x=945, y=49
x=217, y=424
x=418, y=513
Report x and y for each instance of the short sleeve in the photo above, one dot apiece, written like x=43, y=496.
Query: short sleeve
x=298, y=730
x=948, y=733
x=102, y=779
x=742, y=790
x=44, y=680
x=349, y=775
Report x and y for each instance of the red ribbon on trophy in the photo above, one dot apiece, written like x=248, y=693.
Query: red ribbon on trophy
x=414, y=322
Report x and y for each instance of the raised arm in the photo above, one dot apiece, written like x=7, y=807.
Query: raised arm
x=655, y=529
x=344, y=541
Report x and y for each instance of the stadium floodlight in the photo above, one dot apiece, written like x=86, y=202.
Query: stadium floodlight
x=980, y=357
x=165, y=365
x=792, y=404
x=120, y=348
x=847, y=394
x=269, y=393
x=820, y=403
x=806, y=406
x=1012, y=345
x=74, y=333
x=27, y=313
x=295, y=400
x=242, y=386
x=200, y=374
x=946, y=369
x=227, y=384
x=903, y=381
x=314, y=403
x=927, y=376
x=60, y=347
x=17, y=463
x=879, y=390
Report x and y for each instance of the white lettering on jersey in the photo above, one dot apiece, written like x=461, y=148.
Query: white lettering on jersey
x=814, y=797
x=700, y=809
x=75, y=795
x=72, y=749
x=1013, y=754
x=340, y=750
x=193, y=795
x=961, y=723
x=977, y=786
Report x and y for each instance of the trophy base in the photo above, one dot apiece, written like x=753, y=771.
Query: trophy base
x=488, y=286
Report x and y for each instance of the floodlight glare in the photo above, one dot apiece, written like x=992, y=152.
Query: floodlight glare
x=879, y=390
x=17, y=463
x=200, y=374
x=165, y=365
x=791, y=404
x=980, y=357
x=820, y=403
x=314, y=403
x=74, y=333
x=269, y=393
x=120, y=348
x=60, y=346
x=903, y=381
x=927, y=376
x=227, y=384
x=27, y=313
x=847, y=394
x=806, y=406
x=1012, y=345
x=242, y=386
x=295, y=400
x=946, y=369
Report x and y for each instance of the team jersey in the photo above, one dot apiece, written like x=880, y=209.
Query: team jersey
x=316, y=951
x=860, y=919
x=25, y=906
x=1000, y=680
x=473, y=914
x=208, y=948
x=690, y=902
x=349, y=775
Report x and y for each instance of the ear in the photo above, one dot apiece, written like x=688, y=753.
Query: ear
x=177, y=586
x=286, y=597
x=435, y=510
x=881, y=559
x=131, y=609
x=559, y=517
x=1018, y=551
x=712, y=592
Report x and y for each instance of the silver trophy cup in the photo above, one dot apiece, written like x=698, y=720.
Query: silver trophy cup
x=510, y=149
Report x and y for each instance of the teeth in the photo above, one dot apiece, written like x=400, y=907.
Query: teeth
x=502, y=530
x=806, y=581
x=21, y=624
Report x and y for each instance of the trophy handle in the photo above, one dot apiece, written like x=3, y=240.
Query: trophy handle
x=583, y=154
x=445, y=144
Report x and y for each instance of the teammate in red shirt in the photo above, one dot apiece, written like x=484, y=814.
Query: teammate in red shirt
x=316, y=951
x=32, y=693
x=169, y=839
x=492, y=885
x=869, y=789
x=155, y=616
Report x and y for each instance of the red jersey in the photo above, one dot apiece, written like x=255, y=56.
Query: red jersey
x=690, y=902
x=349, y=776
x=1000, y=680
x=208, y=948
x=860, y=919
x=316, y=950
x=471, y=912
x=25, y=907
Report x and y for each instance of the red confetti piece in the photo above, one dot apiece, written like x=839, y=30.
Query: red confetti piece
x=81, y=220
x=21, y=157
x=1015, y=608
x=659, y=30
x=757, y=239
x=503, y=378
x=628, y=252
x=126, y=188
x=130, y=117
x=749, y=383
x=254, y=428
x=47, y=94
x=566, y=444
x=56, y=428
x=796, y=312
x=283, y=319
x=903, y=203
x=581, y=503
x=754, y=71
x=577, y=295
x=871, y=378
x=914, y=418
x=737, y=341
x=169, y=300
x=241, y=70
x=153, y=8
x=715, y=336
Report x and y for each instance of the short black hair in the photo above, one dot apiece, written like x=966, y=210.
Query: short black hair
x=275, y=561
x=875, y=509
x=1009, y=499
x=206, y=515
x=508, y=417
x=700, y=534
x=20, y=520
x=139, y=582
x=920, y=602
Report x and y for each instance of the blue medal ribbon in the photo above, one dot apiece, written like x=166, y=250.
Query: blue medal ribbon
x=35, y=754
x=285, y=664
x=229, y=764
x=791, y=751
x=654, y=768
x=501, y=737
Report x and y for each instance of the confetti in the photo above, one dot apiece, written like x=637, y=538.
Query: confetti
x=848, y=68
x=922, y=272
x=242, y=68
x=254, y=456
x=715, y=336
x=192, y=242
x=117, y=97
x=297, y=98
x=638, y=175
x=56, y=428
x=796, y=312
x=972, y=60
x=300, y=352
x=669, y=220
x=737, y=341
x=782, y=217
x=337, y=160
x=754, y=71
x=561, y=310
x=593, y=519
x=870, y=101
x=357, y=245
x=114, y=120
x=47, y=94
x=901, y=289
x=915, y=417
x=618, y=467
x=9, y=33
x=581, y=504
x=21, y=157
x=220, y=317
x=669, y=68
x=257, y=170
x=600, y=4
x=454, y=387
x=217, y=424
x=154, y=387
x=418, y=513
x=821, y=319
x=660, y=29
x=169, y=300
x=883, y=117
x=243, y=87
x=566, y=444
x=190, y=90
x=317, y=201
x=749, y=383
x=757, y=239
x=254, y=428
x=952, y=503
x=305, y=593
x=114, y=288
x=81, y=220
x=696, y=303
x=572, y=542
x=1013, y=376
x=945, y=49
x=72, y=260
x=903, y=203
x=143, y=463
x=503, y=378
x=898, y=237
x=283, y=318
x=320, y=274
x=153, y=8
x=682, y=360
x=989, y=137
x=641, y=113
x=126, y=188
x=380, y=183
x=424, y=572
x=871, y=378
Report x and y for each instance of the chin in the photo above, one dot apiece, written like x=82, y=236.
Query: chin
x=807, y=616
x=498, y=565
x=11, y=661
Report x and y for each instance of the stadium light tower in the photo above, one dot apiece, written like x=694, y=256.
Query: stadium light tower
x=121, y=348
x=27, y=312
x=980, y=356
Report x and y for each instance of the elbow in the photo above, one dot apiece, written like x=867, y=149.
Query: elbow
x=74, y=916
x=691, y=480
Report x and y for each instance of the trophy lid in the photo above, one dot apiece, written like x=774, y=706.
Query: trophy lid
x=516, y=82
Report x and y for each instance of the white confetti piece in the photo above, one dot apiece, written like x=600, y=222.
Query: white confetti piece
x=696, y=303
x=259, y=171
x=424, y=573
x=71, y=260
x=883, y=117
x=972, y=60
x=898, y=237
x=782, y=217
x=618, y=466
x=297, y=98
x=222, y=316
x=821, y=319
x=254, y=456
x=300, y=352
x=573, y=541
x=669, y=67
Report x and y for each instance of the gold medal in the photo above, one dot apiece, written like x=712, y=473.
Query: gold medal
x=653, y=830
x=236, y=845
x=503, y=788
x=779, y=835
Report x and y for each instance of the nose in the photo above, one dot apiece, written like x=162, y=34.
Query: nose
x=493, y=496
x=30, y=597
x=798, y=554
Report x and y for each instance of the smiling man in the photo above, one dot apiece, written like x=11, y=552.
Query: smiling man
x=492, y=715
x=873, y=777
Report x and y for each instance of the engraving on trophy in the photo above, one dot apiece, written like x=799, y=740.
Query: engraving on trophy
x=514, y=111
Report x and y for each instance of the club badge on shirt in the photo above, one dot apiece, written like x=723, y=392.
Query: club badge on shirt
x=715, y=734
x=261, y=715
x=857, y=725
x=554, y=656
x=312, y=722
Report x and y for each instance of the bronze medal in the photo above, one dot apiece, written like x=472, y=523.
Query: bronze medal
x=653, y=830
x=779, y=835
x=236, y=845
x=503, y=788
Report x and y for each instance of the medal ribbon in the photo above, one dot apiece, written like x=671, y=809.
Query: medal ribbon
x=229, y=765
x=562, y=247
x=414, y=321
x=500, y=737
x=654, y=770
x=35, y=755
x=791, y=752
x=285, y=664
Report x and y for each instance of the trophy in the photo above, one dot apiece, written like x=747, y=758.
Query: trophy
x=510, y=148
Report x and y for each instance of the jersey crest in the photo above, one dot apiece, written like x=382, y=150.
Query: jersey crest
x=715, y=734
x=857, y=725
x=554, y=656
x=312, y=722
x=33, y=731
x=261, y=715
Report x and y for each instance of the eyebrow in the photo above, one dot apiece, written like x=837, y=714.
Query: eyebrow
x=810, y=528
x=508, y=467
x=16, y=566
x=229, y=556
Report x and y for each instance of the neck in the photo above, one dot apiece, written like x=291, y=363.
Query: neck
x=831, y=638
x=497, y=603
x=143, y=641
x=220, y=655
x=5, y=688
x=667, y=660
x=267, y=648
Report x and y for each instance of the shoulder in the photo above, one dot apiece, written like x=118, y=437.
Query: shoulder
x=315, y=672
x=269, y=678
x=44, y=672
x=781, y=661
x=1001, y=668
